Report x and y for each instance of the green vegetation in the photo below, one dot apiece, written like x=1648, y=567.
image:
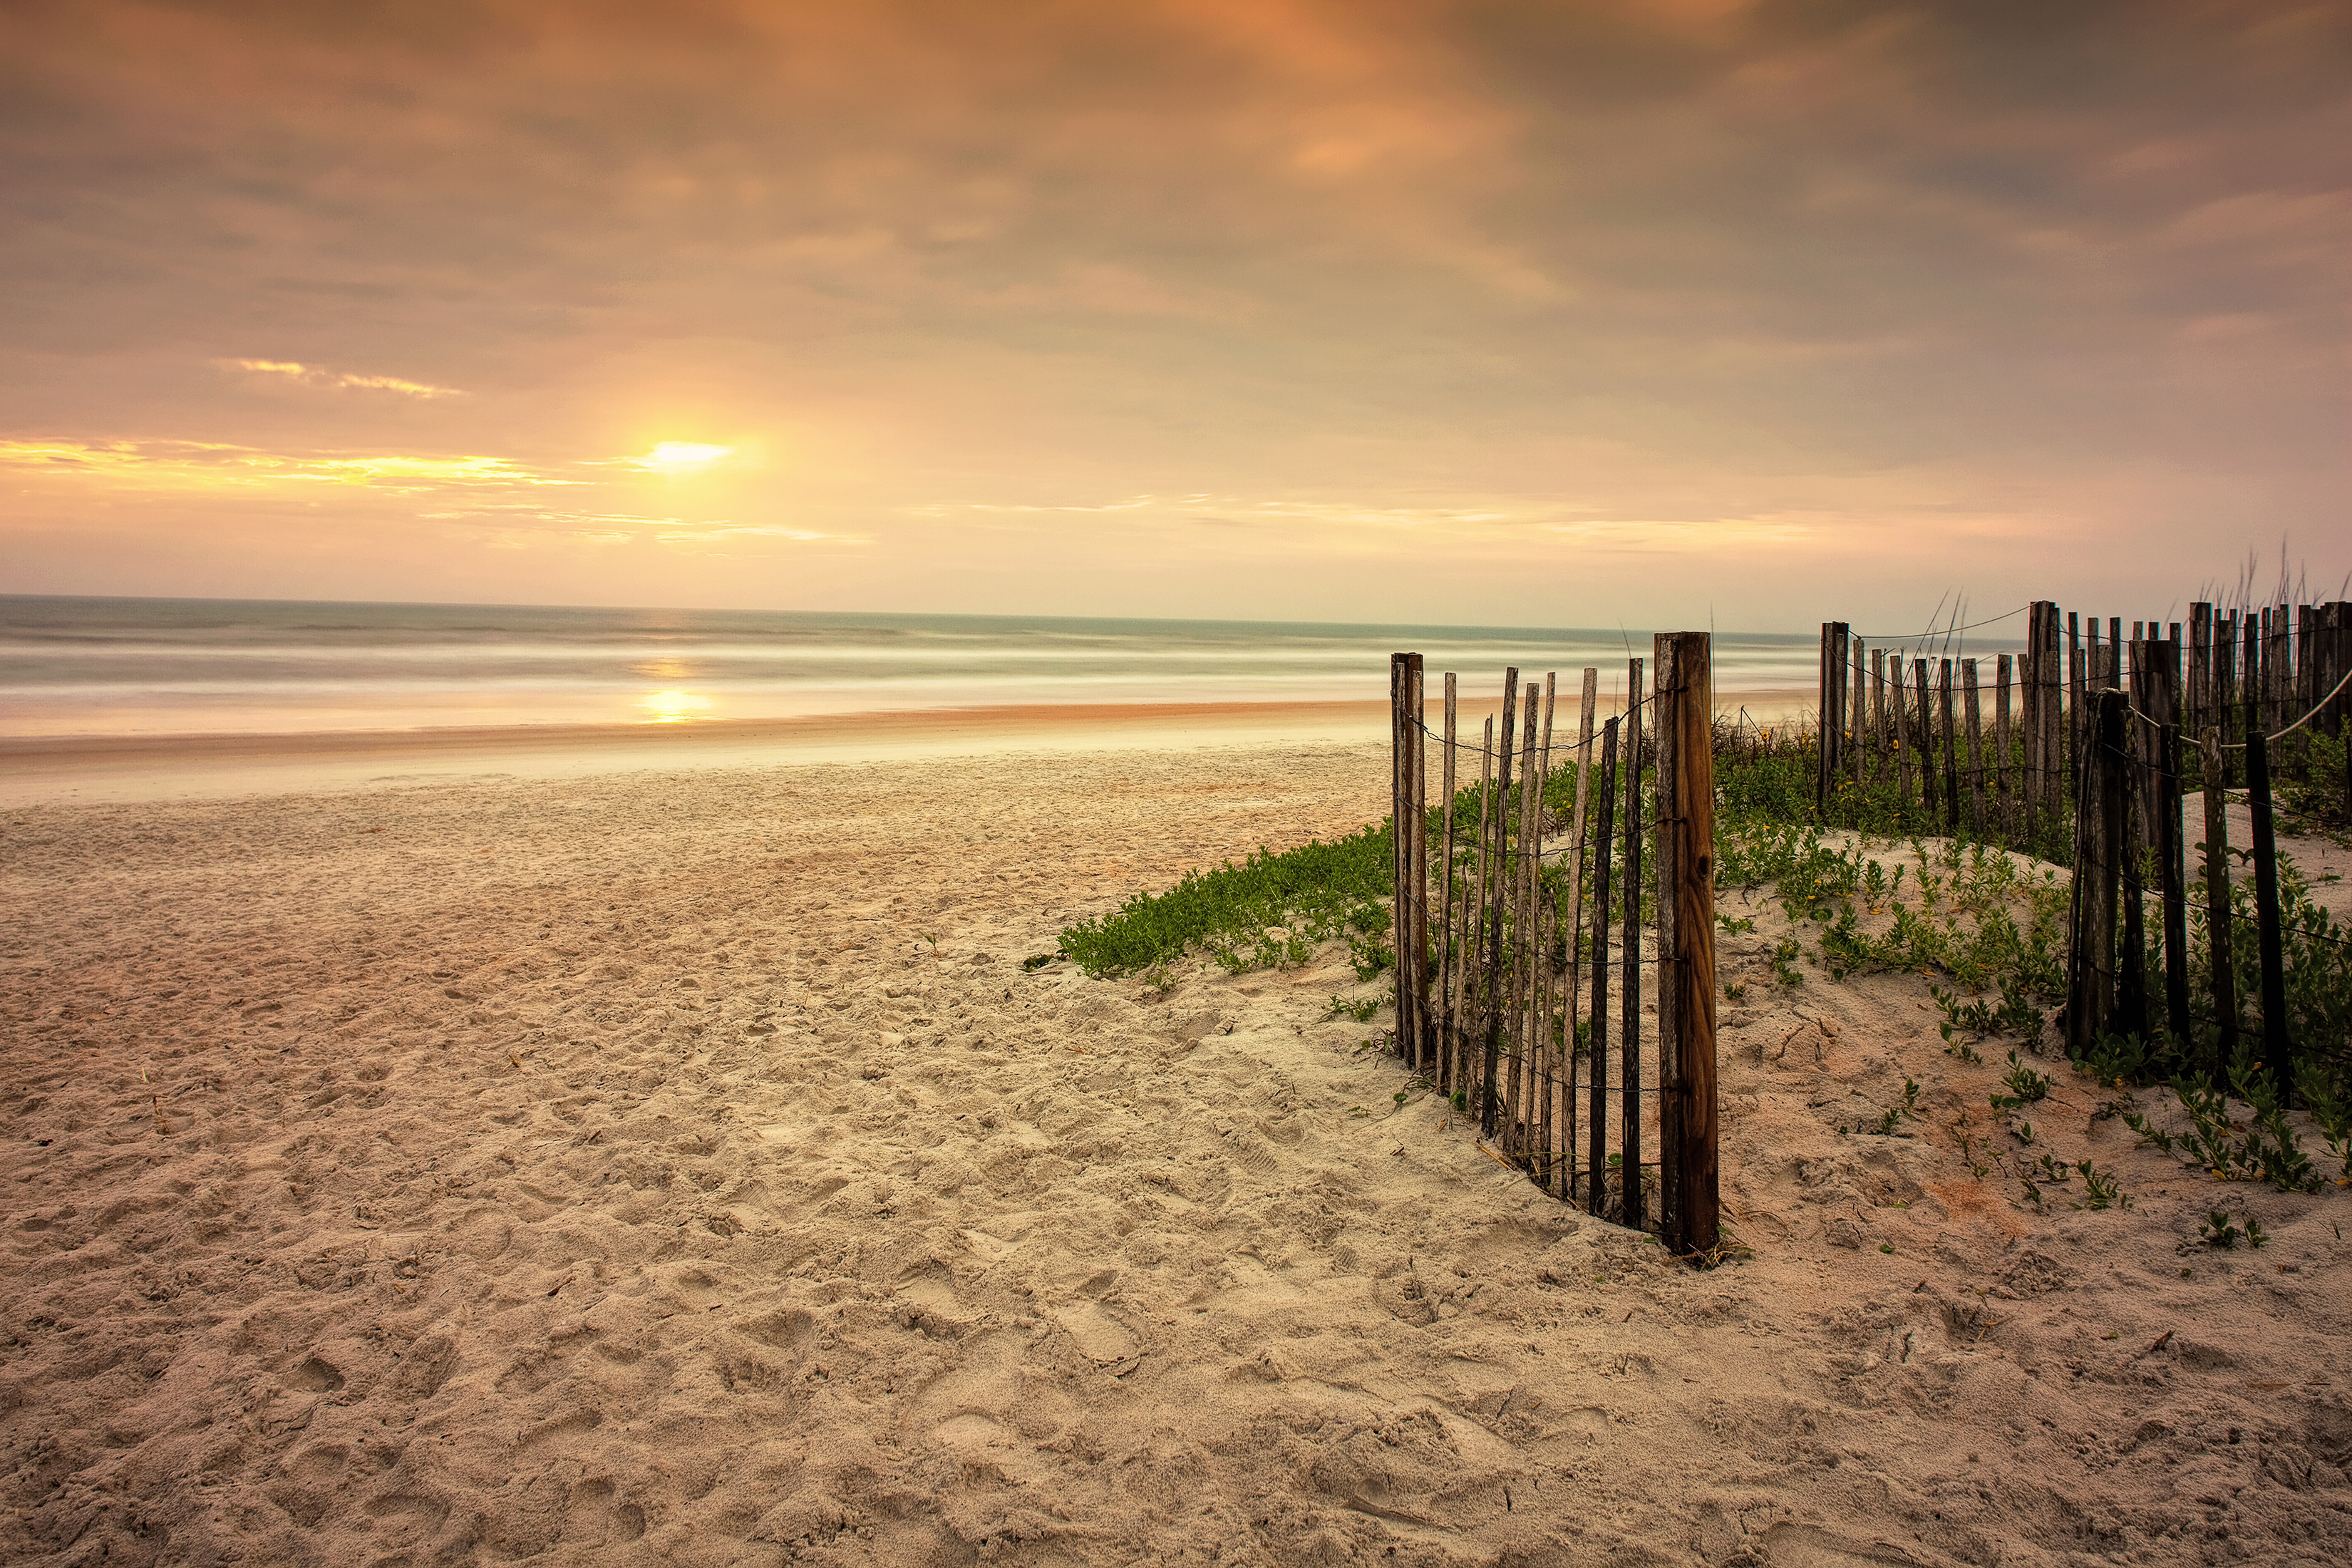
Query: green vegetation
x=1271, y=908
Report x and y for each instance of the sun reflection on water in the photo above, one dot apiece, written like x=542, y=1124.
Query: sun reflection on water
x=674, y=707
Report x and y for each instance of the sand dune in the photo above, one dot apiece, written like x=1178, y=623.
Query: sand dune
x=681, y=1167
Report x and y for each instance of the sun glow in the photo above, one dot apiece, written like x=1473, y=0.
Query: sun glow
x=675, y=457
x=674, y=707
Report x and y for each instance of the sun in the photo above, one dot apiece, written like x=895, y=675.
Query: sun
x=678, y=456
x=674, y=707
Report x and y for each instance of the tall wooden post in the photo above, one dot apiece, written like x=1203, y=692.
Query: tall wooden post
x=2029, y=676
x=1829, y=756
x=1417, y=852
x=1400, y=836
x=1686, y=1091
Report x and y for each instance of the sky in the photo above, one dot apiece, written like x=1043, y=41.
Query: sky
x=1680, y=312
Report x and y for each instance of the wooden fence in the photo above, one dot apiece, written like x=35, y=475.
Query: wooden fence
x=2129, y=831
x=2105, y=735
x=1916, y=720
x=1537, y=897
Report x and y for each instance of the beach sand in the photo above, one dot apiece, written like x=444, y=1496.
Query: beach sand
x=678, y=1165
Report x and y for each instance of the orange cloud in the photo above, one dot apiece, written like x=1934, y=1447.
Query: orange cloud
x=316, y=375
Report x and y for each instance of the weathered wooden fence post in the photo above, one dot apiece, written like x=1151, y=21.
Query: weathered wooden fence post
x=1400, y=836
x=1689, y=1190
x=1417, y=855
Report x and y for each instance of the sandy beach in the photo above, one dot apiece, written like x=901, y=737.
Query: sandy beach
x=620, y=1160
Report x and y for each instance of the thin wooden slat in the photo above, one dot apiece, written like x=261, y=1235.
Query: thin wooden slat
x=2200, y=667
x=2131, y=1015
x=1951, y=748
x=1923, y=733
x=1450, y=951
x=2002, y=791
x=1540, y=1054
x=2278, y=674
x=2077, y=720
x=1497, y=1018
x=1640, y=730
x=2253, y=677
x=2221, y=965
x=1587, y=702
x=1858, y=705
x=2171, y=877
x=1975, y=715
x=2278, y=1047
x=1514, y=1126
x=2225, y=692
x=1474, y=945
x=1877, y=714
x=1905, y=745
x=1596, y=1178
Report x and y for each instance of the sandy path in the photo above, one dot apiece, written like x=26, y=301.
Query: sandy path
x=681, y=1168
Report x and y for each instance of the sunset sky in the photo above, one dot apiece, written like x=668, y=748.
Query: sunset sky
x=1378, y=310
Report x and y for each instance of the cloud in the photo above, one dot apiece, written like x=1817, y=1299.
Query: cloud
x=200, y=465
x=314, y=375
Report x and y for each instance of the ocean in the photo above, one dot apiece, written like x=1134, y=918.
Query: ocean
x=159, y=666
